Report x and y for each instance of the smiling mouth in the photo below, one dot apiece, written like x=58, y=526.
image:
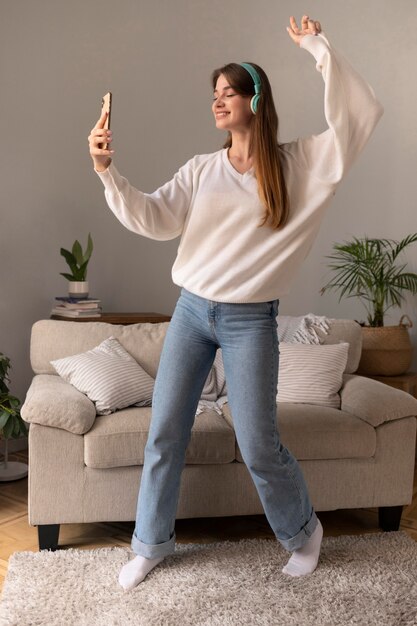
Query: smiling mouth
x=222, y=114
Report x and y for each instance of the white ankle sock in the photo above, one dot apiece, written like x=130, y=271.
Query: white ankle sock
x=135, y=571
x=304, y=561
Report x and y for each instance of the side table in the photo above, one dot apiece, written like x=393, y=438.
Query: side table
x=119, y=318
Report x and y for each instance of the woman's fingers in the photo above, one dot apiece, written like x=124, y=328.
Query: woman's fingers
x=314, y=27
x=102, y=120
x=292, y=34
x=97, y=141
x=101, y=152
x=304, y=23
x=294, y=26
x=100, y=133
x=97, y=138
x=308, y=27
x=311, y=27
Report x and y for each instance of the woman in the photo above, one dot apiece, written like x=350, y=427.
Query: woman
x=247, y=215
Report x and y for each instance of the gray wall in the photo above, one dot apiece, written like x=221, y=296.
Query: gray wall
x=58, y=58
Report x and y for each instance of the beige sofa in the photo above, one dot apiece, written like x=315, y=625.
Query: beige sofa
x=87, y=468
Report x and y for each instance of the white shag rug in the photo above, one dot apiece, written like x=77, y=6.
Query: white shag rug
x=362, y=580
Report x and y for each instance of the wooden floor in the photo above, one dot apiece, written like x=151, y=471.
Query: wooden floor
x=16, y=535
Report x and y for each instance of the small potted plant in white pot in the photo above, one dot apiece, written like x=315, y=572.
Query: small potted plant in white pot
x=77, y=262
x=11, y=424
x=369, y=269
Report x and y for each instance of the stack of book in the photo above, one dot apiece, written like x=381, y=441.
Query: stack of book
x=76, y=307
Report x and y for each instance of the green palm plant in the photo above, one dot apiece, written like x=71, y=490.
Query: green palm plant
x=77, y=260
x=369, y=269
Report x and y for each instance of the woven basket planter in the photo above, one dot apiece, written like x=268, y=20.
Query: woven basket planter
x=386, y=350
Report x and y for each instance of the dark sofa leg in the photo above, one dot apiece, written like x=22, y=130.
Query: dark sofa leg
x=389, y=517
x=48, y=536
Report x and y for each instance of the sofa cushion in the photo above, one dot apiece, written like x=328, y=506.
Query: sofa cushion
x=108, y=375
x=119, y=440
x=310, y=373
x=318, y=433
x=344, y=330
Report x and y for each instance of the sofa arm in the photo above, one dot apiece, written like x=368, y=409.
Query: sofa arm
x=51, y=401
x=374, y=401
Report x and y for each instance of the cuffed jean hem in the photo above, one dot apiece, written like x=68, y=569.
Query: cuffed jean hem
x=302, y=537
x=153, y=551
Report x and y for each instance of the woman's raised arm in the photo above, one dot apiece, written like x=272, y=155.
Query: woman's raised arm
x=350, y=106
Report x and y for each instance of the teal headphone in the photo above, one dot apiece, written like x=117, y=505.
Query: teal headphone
x=257, y=82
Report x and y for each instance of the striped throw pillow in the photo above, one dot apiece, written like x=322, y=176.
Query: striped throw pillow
x=311, y=373
x=109, y=376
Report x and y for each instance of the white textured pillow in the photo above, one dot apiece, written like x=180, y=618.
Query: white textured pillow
x=311, y=373
x=109, y=376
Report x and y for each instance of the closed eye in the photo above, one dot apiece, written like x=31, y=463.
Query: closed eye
x=230, y=96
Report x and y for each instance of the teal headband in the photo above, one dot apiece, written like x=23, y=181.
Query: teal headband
x=257, y=83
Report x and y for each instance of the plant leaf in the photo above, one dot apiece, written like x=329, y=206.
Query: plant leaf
x=89, y=250
x=8, y=428
x=77, y=252
x=82, y=271
x=403, y=244
x=70, y=259
x=3, y=419
x=68, y=276
x=407, y=281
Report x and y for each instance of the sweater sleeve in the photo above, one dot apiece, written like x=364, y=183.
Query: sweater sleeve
x=351, y=110
x=159, y=215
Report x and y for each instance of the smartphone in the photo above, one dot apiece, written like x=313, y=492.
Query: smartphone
x=106, y=106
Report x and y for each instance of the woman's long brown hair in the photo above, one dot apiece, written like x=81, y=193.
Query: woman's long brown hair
x=264, y=146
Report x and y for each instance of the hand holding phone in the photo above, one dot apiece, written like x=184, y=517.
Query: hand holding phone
x=101, y=136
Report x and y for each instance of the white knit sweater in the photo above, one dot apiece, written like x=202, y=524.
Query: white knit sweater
x=222, y=254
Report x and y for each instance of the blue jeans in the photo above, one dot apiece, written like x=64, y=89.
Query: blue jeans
x=247, y=335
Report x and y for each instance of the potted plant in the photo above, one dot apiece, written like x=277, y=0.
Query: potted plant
x=11, y=424
x=370, y=270
x=77, y=261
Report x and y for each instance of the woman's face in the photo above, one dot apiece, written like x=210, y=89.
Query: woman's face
x=230, y=109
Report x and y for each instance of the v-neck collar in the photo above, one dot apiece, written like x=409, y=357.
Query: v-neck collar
x=231, y=169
